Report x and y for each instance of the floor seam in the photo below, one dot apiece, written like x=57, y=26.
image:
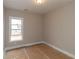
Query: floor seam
x=43, y=53
x=26, y=53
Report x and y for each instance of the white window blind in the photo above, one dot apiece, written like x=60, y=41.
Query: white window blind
x=15, y=28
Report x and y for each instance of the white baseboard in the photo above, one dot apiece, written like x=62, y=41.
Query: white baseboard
x=23, y=45
x=30, y=44
x=65, y=52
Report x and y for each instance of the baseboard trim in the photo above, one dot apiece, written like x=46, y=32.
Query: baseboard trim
x=30, y=44
x=23, y=45
x=62, y=51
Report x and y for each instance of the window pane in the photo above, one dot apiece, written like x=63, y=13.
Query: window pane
x=16, y=38
x=15, y=21
x=15, y=26
x=15, y=32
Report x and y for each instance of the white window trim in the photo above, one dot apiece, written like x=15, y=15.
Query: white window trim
x=10, y=17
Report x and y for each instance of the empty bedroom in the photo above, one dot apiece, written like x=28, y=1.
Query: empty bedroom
x=39, y=29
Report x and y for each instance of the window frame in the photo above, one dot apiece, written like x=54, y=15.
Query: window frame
x=17, y=18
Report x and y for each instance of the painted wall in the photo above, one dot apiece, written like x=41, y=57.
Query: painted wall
x=56, y=28
x=32, y=27
x=4, y=27
x=60, y=28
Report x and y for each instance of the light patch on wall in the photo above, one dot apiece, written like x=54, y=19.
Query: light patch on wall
x=39, y=1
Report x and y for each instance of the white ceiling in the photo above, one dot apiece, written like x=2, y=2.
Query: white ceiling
x=33, y=7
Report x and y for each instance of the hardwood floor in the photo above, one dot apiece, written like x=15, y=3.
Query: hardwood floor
x=40, y=51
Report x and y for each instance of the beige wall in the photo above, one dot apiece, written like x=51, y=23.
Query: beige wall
x=32, y=27
x=59, y=28
x=4, y=25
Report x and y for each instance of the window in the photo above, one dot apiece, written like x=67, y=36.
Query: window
x=16, y=27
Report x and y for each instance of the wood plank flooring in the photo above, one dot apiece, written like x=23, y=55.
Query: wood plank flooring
x=40, y=51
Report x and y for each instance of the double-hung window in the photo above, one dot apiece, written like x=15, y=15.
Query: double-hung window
x=15, y=28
